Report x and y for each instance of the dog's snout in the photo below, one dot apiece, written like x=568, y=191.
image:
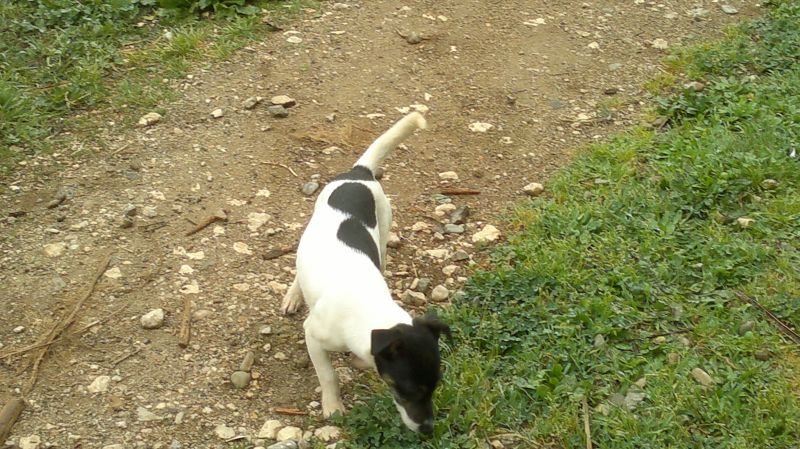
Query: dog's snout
x=426, y=428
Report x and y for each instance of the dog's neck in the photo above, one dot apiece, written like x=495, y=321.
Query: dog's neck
x=382, y=314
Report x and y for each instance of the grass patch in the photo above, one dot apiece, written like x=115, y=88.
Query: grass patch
x=621, y=282
x=60, y=59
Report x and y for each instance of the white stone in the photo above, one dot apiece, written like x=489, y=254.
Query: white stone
x=224, y=432
x=488, y=234
x=153, y=319
x=157, y=195
x=440, y=293
x=186, y=269
x=449, y=270
x=199, y=255
x=242, y=248
x=114, y=446
x=660, y=44
x=257, y=219
x=393, y=241
x=55, y=249
x=328, y=433
x=294, y=39
x=191, y=288
x=289, y=433
x=151, y=118
x=278, y=288
x=113, y=273
x=242, y=287
x=263, y=192
x=144, y=415
x=30, y=442
x=419, y=226
x=533, y=189
x=745, y=222
x=217, y=113
x=480, y=127
x=270, y=429
x=444, y=209
x=437, y=253
x=448, y=176
x=99, y=384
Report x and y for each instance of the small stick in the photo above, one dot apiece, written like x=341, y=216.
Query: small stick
x=460, y=192
x=63, y=325
x=9, y=415
x=290, y=411
x=278, y=252
x=781, y=325
x=185, y=333
x=281, y=165
x=218, y=215
x=55, y=202
x=125, y=357
x=586, y=428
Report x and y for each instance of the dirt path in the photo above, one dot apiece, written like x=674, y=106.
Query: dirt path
x=528, y=68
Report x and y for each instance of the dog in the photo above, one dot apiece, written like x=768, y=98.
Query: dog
x=340, y=262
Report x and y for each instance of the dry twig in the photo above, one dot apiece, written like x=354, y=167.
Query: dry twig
x=9, y=415
x=290, y=411
x=587, y=429
x=278, y=252
x=460, y=192
x=783, y=327
x=185, y=333
x=218, y=215
x=281, y=165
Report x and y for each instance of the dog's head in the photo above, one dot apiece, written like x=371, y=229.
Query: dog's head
x=407, y=359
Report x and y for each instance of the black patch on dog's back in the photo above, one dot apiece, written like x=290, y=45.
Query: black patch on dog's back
x=356, y=200
x=357, y=173
x=353, y=234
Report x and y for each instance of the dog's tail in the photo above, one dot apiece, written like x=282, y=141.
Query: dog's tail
x=383, y=145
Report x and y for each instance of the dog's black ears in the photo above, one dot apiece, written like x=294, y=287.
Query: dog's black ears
x=435, y=325
x=384, y=340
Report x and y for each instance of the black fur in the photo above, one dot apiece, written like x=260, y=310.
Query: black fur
x=353, y=234
x=357, y=173
x=356, y=200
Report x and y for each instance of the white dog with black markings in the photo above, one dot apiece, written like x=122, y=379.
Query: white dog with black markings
x=340, y=263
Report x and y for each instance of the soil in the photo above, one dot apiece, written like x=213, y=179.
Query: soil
x=528, y=68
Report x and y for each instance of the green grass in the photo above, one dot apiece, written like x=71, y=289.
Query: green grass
x=60, y=59
x=639, y=237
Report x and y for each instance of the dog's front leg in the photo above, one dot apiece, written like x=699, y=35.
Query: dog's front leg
x=331, y=397
x=292, y=299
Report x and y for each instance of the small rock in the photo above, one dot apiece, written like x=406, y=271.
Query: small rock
x=240, y=379
x=393, y=241
x=19, y=329
x=419, y=226
x=289, y=433
x=660, y=44
x=99, y=384
x=459, y=256
x=270, y=429
x=328, y=433
x=729, y=9
x=480, y=127
x=423, y=284
x=769, y=184
x=489, y=233
x=413, y=38
x=448, y=176
x=444, y=209
x=144, y=415
x=496, y=444
x=175, y=444
x=599, y=341
x=684, y=341
x=746, y=327
x=150, y=212
x=439, y=253
x=673, y=358
x=277, y=110
x=458, y=295
x=251, y=102
x=242, y=248
x=30, y=442
x=217, y=113
x=309, y=188
x=247, y=362
x=614, y=66
x=745, y=222
x=151, y=118
x=698, y=13
x=114, y=446
x=702, y=377
x=460, y=215
x=413, y=298
x=153, y=319
x=224, y=432
x=440, y=293
x=449, y=270
x=113, y=273
x=54, y=249
x=283, y=100
x=294, y=39
x=533, y=189
x=762, y=355
x=696, y=86
x=453, y=229
x=265, y=330
x=278, y=288
x=257, y=219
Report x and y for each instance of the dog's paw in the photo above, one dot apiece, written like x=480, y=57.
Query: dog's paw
x=291, y=303
x=331, y=407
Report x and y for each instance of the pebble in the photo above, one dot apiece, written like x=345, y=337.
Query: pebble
x=660, y=44
x=448, y=176
x=702, y=377
x=449, y=270
x=144, y=415
x=283, y=100
x=459, y=256
x=150, y=212
x=413, y=298
x=480, y=127
x=242, y=248
x=440, y=293
x=251, y=102
x=393, y=241
x=294, y=39
x=533, y=189
x=460, y=215
x=762, y=355
x=699, y=13
x=423, y=284
x=599, y=341
x=288, y=444
x=439, y=253
x=745, y=222
x=175, y=444
x=309, y=188
x=19, y=329
x=270, y=429
x=151, y=118
x=265, y=330
x=240, y=379
x=277, y=110
x=99, y=384
x=54, y=249
x=746, y=327
x=419, y=226
x=153, y=319
x=217, y=113
x=114, y=446
x=444, y=209
x=453, y=229
x=728, y=9
x=328, y=433
x=673, y=358
x=489, y=233
x=458, y=295
x=614, y=66
x=30, y=442
x=224, y=432
x=289, y=433
x=257, y=219
x=113, y=273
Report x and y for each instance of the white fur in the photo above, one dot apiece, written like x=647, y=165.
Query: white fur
x=345, y=292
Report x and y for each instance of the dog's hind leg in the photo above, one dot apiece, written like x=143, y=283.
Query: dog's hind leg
x=328, y=380
x=293, y=298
